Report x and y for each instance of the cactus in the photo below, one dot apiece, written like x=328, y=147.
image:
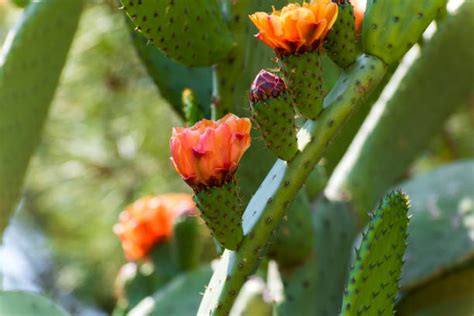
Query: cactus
x=391, y=28
x=26, y=303
x=193, y=33
x=285, y=243
x=29, y=73
x=372, y=286
x=342, y=42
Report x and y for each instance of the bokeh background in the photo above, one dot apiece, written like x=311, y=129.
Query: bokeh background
x=104, y=145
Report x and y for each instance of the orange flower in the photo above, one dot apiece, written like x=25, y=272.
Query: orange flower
x=208, y=153
x=149, y=220
x=359, y=11
x=296, y=28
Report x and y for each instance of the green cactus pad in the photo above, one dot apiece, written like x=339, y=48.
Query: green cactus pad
x=25, y=303
x=274, y=118
x=30, y=68
x=303, y=75
x=341, y=42
x=442, y=199
x=373, y=281
x=292, y=243
x=171, y=77
x=192, y=32
x=180, y=296
x=391, y=27
x=186, y=242
x=221, y=209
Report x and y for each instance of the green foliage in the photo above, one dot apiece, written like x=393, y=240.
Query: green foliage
x=29, y=73
x=192, y=32
x=392, y=27
x=372, y=285
x=442, y=206
x=187, y=243
x=26, y=303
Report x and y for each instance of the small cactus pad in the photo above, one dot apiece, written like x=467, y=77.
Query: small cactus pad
x=391, y=27
x=303, y=75
x=274, y=115
x=186, y=242
x=373, y=281
x=341, y=42
x=221, y=209
x=192, y=32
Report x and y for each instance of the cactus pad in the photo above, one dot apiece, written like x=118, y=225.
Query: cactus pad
x=25, y=303
x=192, y=32
x=391, y=27
x=274, y=115
x=221, y=209
x=303, y=75
x=373, y=282
x=342, y=39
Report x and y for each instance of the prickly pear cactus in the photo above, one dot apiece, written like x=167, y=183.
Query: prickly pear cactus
x=30, y=66
x=372, y=286
x=192, y=32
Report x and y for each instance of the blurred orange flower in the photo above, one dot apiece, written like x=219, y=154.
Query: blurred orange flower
x=149, y=220
x=296, y=28
x=359, y=11
x=208, y=153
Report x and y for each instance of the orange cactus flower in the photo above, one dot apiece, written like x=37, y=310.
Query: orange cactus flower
x=149, y=221
x=296, y=28
x=208, y=153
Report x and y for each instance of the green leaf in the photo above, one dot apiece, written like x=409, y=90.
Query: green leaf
x=26, y=303
x=31, y=63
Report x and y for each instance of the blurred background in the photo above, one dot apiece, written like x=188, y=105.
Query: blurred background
x=106, y=144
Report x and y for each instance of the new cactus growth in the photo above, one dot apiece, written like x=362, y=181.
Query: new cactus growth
x=273, y=114
x=296, y=33
x=192, y=32
x=373, y=282
x=342, y=42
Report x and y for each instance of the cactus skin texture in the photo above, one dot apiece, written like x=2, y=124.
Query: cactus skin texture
x=303, y=75
x=266, y=208
x=221, y=209
x=373, y=281
x=341, y=42
x=274, y=115
x=392, y=27
x=171, y=77
x=192, y=32
x=30, y=66
x=25, y=303
x=377, y=160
